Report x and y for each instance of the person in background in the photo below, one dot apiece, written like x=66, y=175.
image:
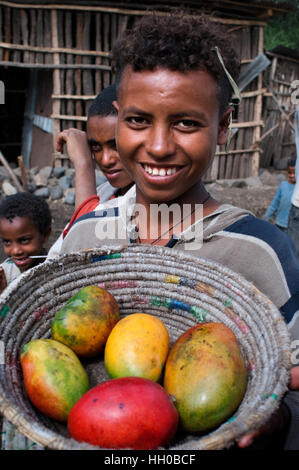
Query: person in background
x=25, y=226
x=293, y=226
x=281, y=203
x=97, y=144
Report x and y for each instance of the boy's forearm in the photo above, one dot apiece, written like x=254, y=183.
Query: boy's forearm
x=85, y=181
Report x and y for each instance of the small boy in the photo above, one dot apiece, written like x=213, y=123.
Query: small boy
x=25, y=226
x=281, y=203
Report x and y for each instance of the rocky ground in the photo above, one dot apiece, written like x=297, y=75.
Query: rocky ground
x=57, y=187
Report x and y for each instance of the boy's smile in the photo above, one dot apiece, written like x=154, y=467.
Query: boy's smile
x=167, y=132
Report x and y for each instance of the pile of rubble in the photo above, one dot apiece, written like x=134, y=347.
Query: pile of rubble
x=265, y=178
x=59, y=183
x=48, y=182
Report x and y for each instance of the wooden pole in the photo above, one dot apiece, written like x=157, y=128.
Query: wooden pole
x=255, y=162
x=23, y=173
x=56, y=75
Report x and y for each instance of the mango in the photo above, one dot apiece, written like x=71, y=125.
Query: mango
x=137, y=346
x=206, y=374
x=86, y=320
x=54, y=377
x=125, y=413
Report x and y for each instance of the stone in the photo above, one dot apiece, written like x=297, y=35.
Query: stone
x=40, y=180
x=253, y=181
x=65, y=182
x=8, y=188
x=56, y=192
x=3, y=173
x=59, y=171
x=69, y=197
x=268, y=179
x=281, y=177
x=46, y=171
x=31, y=186
x=34, y=170
x=42, y=192
x=70, y=171
x=234, y=182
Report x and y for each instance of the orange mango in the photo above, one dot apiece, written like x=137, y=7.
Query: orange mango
x=54, y=377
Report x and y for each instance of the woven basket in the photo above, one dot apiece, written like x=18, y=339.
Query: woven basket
x=179, y=289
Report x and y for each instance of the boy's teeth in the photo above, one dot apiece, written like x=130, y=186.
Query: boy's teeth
x=159, y=171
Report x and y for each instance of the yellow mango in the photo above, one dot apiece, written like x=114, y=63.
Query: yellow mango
x=137, y=347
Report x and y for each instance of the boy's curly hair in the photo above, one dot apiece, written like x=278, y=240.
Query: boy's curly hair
x=178, y=42
x=102, y=104
x=27, y=205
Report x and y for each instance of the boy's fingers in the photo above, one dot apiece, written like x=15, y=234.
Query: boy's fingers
x=60, y=141
x=294, y=381
x=248, y=439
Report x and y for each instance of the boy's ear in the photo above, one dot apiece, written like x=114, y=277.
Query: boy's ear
x=115, y=105
x=223, y=126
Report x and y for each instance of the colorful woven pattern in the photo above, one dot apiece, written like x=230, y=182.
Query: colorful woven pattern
x=171, y=284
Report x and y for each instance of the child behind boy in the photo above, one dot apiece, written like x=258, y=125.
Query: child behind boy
x=98, y=143
x=173, y=109
x=25, y=226
x=281, y=203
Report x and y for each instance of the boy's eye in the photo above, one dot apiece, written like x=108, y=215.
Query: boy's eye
x=137, y=120
x=113, y=144
x=24, y=241
x=6, y=242
x=95, y=148
x=187, y=124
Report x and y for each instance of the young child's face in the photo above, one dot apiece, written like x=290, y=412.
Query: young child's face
x=21, y=239
x=291, y=175
x=168, y=129
x=101, y=138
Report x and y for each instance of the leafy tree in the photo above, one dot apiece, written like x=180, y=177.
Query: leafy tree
x=283, y=30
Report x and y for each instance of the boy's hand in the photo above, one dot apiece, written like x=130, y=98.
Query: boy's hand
x=76, y=145
x=3, y=281
x=277, y=421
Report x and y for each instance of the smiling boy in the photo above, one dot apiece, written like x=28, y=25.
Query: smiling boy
x=173, y=110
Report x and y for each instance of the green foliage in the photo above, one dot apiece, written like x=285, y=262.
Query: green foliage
x=283, y=30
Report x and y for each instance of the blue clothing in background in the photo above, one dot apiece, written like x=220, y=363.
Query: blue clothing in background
x=281, y=204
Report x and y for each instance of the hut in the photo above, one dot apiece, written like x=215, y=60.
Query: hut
x=281, y=80
x=55, y=58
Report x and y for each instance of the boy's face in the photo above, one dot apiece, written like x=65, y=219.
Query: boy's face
x=291, y=175
x=21, y=239
x=168, y=129
x=101, y=139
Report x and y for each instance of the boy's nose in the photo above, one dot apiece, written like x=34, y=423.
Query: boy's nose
x=108, y=158
x=16, y=249
x=160, y=143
